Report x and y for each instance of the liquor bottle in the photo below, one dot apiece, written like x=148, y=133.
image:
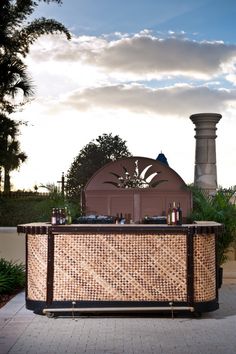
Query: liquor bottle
x=66, y=215
x=53, y=217
x=117, y=219
x=57, y=216
x=169, y=212
x=69, y=220
x=179, y=215
x=62, y=218
x=174, y=215
x=127, y=218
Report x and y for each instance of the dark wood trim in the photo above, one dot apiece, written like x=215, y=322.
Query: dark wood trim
x=190, y=267
x=50, y=267
x=38, y=306
x=218, y=233
x=33, y=229
x=42, y=228
x=26, y=266
x=117, y=229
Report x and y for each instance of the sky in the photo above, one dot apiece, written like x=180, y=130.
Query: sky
x=136, y=68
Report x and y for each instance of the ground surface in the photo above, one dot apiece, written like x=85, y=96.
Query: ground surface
x=21, y=331
x=4, y=298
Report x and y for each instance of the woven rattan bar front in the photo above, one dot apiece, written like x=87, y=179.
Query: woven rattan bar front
x=132, y=266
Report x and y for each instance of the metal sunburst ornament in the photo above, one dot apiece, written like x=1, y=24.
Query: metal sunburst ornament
x=139, y=179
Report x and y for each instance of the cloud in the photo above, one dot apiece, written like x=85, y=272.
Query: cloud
x=90, y=73
x=142, y=55
x=178, y=100
x=146, y=55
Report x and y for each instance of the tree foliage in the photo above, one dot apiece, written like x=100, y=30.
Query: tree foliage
x=14, y=79
x=93, y=156
x=220, y=208
x=16, y=36
x=11, y=156
x=17, y=33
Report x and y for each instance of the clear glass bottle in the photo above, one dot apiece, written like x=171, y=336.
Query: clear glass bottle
x=174, y=214
x=57, y=216
x=53, y=217
x=62, y=218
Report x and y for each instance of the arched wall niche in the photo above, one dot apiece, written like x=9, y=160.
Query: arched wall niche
x=135, y=185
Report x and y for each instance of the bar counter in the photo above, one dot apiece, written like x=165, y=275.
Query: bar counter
x=136, y=267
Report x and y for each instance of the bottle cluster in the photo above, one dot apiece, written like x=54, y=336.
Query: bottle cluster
x=123, y=219
x=60, y=216
x=174, y=215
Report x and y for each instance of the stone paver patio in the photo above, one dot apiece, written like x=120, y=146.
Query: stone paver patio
x=21, y=331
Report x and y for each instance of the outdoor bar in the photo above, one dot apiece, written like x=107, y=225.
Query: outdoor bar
x=98, y=268
x=139, y=261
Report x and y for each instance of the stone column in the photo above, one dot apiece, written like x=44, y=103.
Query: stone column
x=205, y=176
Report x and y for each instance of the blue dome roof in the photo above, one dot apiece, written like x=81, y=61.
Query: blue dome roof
x=161, y=157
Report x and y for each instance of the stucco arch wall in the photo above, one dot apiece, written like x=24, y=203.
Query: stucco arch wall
x=107, y=199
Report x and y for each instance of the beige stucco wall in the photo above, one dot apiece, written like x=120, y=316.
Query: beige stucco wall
x=12, y=245
x=231, y=254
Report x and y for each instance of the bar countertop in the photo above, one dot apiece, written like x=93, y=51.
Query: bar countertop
x=44, y=228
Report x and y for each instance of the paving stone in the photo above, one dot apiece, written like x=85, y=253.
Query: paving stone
x=23, y=332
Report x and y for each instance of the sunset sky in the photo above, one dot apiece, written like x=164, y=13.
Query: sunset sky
x=136, y=68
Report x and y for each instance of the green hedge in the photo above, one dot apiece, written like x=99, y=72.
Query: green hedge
x=14, y=211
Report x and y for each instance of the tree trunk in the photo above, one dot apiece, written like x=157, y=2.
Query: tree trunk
x=0, y=179
x=7, y=183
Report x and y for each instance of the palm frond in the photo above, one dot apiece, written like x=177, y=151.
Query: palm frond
x=125, y=169
x=29, y=34
x=156, y=183
x=113, y=183
x=115, y=174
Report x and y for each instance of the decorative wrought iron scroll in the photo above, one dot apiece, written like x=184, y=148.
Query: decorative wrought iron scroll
x=138, y=179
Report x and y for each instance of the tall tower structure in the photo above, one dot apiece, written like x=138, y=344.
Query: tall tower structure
x=205, y=175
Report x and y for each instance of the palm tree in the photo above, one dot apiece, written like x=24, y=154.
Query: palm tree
x=16, y=36
x=10, y=155
x=7, y=128
x=14, y=158
x=13, y=80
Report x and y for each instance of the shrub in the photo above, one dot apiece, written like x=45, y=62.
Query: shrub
x=217, y=208
x=12, y=276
